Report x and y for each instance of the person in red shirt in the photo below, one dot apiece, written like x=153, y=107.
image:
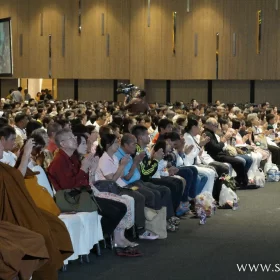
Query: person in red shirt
x=67, y=172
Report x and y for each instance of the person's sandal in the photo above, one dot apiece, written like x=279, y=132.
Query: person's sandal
x=170, y=227
x=128, y=252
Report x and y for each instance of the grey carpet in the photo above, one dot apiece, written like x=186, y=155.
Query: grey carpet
x=249, y=235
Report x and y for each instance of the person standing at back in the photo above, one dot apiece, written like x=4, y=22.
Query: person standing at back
x=16, y=95
x=138, y=104
x=27, y=96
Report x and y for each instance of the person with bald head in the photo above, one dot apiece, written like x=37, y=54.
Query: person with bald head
x=216, y=149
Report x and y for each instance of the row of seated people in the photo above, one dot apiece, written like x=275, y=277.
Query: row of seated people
x=161, y=168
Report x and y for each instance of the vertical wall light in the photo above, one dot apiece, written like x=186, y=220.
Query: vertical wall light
x=149, y=14
x=41, y=24
x=217, y=54
x=259, y=31
x=188, y=6
x=195, y=44
x=234, y=44
x=20, y=44
x=276, y=5
x=80, y=18
x=174, y=14
x=50, y=55
x=63, y=36
x=102, y=24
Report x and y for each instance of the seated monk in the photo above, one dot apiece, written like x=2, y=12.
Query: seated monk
x=22, y=251
x=18, y=208
x=29, y=155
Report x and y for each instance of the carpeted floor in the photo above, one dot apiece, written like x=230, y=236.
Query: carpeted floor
x=250, y=235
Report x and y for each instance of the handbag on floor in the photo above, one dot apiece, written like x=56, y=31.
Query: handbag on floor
x=156, y=221
x=76, y=200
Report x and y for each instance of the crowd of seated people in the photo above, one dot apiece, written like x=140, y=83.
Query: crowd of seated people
x=161, y=158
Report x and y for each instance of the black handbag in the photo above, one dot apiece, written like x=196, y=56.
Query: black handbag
x=109, y=186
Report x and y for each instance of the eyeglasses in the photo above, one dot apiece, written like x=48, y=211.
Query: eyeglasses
x=70, y=138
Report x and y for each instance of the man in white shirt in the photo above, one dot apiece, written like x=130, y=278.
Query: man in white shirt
x=101, y=120
x=8, y=142
x=91, y=120
x=21, y=121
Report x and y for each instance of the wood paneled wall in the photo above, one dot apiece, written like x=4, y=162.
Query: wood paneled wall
x=267, y=91
x=65, y=89
x=231, y=91
x=96, y=90
x=156, y=91
x=138, y=52
x=6, y=85
x=186, y=90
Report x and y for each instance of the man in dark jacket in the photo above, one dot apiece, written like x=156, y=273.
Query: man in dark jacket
x=216, y=150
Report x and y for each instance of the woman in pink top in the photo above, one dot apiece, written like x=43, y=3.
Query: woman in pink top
x=109, y=168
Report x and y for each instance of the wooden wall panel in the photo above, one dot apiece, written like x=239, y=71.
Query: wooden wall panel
x=269, y=41
x=172, y=62
x=96, y=90
x=117, y=26
x=205, y=20
x=138, y=52
x=65, y=89
x=39, y=45
x=231, y=91
x=138, y=21
x=186, y=90
x=254, y=61
x=24, y=83
x=89, y=48
x=21, y=62
x=267, y=91
x=235, y=67
x=47, y=84
x=6, y=85
x=62, y=67
x=240, y=17
x=154, y=61
x=156, y=91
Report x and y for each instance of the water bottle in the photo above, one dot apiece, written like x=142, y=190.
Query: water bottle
x=234, y=205
x=214, y=208
x=202, y=218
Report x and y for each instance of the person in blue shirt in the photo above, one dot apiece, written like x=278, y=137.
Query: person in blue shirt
x=132, y=175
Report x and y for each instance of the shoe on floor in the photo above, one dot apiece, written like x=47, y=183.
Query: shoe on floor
x=248, y=187
x=170, y=227
x=175, y=221
x=128, y=252
x=148, y=235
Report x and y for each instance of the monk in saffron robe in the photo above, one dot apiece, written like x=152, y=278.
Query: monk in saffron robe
x=22, y=251
x=18, y=208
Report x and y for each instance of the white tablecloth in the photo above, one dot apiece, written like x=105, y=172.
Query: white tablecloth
x=85, y=231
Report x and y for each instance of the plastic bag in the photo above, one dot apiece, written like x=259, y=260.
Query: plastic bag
x=259, y=178
x=227, y=195
x=205, y=203
x=273, y=174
